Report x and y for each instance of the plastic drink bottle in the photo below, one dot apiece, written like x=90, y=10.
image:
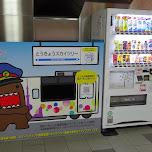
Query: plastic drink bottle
x=117, y=23
x=139, y=25
x=119, y=59
x=151, y=25
x=143, y=24
x=145, y=59
x=148, y=24
x=138, y=45
x=150, y=44
x=120, y=46
x=136, y=58
x=115, y=58
x=134, y=24
x=129, y=45
x=142, y=46
x=128, y=58
x=121, y=24
x=125, y=23
x=149, y=58
x=116, y=42
x=145, y=45
x=130, y=24
x=133, y=45
x=124, y=45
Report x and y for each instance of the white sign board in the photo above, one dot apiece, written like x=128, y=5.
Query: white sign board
x=65, y=55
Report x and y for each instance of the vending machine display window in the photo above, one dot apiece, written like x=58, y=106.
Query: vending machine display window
x=121, y=79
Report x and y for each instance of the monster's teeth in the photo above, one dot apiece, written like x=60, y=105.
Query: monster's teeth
x=11, y=94
x=6, y=95
x=13, y=106
x=1, y=95
x=4, y=107
x=9, y=107
x=17, y=105
x=15, y=93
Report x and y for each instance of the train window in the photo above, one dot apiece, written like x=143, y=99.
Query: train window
x=35, y=93
x=58, y=92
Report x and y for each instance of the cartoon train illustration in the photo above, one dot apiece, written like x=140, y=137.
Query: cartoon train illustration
x=60, y=95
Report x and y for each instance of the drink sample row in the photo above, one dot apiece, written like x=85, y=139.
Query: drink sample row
x=132, y=58
x=133, y=45
x=133, y=24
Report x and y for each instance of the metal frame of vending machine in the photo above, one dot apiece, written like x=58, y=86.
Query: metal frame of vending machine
x=128, y=66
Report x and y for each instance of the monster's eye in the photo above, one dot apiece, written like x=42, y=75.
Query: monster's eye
x=17, y=86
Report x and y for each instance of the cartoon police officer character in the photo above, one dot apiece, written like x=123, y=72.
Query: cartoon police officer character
x=13, y=109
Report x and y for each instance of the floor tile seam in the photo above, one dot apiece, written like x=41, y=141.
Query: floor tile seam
x=44, y=145
x=32, y=144
x=137, y=149
x=109, y=142
x=124, y=142
x=4, y=149
x=142, y=144
x=22, y=145
x=88, y=144
x=66, y=144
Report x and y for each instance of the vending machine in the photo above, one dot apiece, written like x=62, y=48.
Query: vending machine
x=127, y=98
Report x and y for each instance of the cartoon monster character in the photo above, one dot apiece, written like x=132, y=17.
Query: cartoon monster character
x=13, y=109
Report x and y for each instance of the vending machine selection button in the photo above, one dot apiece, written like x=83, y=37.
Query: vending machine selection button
x=146, y=77
x=150, y=71
x=140, y=78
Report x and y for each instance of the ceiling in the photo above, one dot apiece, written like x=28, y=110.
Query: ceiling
x=65, y=8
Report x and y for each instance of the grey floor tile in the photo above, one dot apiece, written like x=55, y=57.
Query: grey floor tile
x=145, y=130
x=136, y=138
x=34, y=148
x=14, y=146
x=56, y=144
x=134, y=130
x=144, y=148
x=121, y=144
x=125, y=149
x=148, y=136
x=97, y=141
x=77, y=143
x=105, y=150
x=33, y=141
x=2, y=148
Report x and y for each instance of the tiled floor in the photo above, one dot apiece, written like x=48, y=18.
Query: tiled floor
x=134, y=139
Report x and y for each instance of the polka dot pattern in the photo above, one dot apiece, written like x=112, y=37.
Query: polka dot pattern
x=71, y=112
x=43, y=106
x=90, y=110
x=61, y=108
x=80, y=106
x=55, y=104
x=49, y=106
x=66, y=103
x=72, y=103
x=56, y=109
x=87, y=107
x=95, y=103
x=71, y=107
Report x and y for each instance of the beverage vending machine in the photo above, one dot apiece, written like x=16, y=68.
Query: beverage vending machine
x=127, y=98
